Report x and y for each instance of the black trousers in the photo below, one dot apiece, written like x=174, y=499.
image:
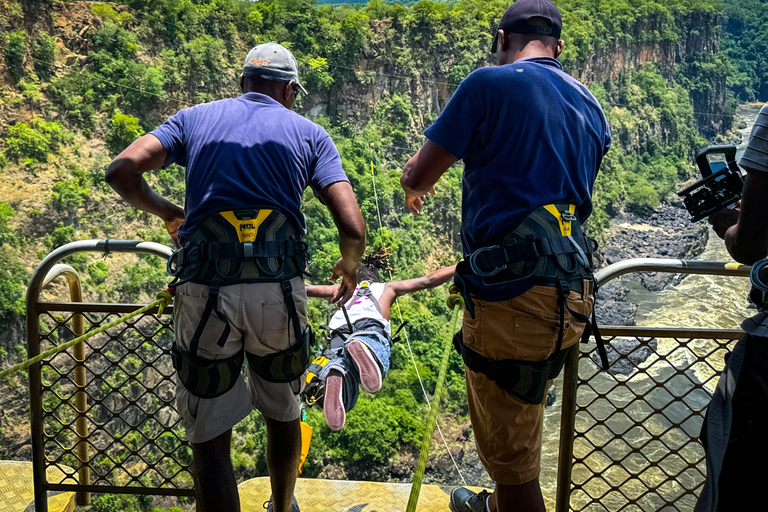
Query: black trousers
x=744, y=478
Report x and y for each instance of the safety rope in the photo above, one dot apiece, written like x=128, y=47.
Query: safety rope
x=408, y=342
x=163, y=299
x=457, y=303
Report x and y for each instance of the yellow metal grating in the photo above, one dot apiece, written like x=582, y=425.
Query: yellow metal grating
x=345, y=496
x=17, y=489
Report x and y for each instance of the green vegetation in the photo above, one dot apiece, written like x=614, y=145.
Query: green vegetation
x=378, y=73
x=35, y=140
x=123, y=130
x=745, y=42
x=15, y=46
x=44, y=53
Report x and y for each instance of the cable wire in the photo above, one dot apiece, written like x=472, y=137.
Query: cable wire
x=408, y=342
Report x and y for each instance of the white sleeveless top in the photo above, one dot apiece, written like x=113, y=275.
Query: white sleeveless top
x=361, y=307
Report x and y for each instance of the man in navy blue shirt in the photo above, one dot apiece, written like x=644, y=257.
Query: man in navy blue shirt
x=530, y=135
x=245, y=152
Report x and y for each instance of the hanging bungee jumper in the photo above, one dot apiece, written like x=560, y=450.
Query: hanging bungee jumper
x=359, y=339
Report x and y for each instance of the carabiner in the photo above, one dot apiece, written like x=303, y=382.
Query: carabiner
x=473, y=262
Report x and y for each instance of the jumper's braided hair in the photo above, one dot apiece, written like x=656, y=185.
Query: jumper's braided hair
x=371, y=265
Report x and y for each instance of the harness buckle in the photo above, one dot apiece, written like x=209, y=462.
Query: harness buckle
x=473, y=262
x=580, y=256
x=248, y=251
x=568, y=216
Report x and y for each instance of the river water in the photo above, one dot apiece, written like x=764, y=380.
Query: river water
x=700, y=301
x=645, y=448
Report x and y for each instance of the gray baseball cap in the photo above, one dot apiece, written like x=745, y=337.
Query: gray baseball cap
x=274, y=62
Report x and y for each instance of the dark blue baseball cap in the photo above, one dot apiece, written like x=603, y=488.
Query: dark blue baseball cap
x=515, y=19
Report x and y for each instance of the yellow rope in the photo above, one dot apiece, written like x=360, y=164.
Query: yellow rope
x=163, y=299
x=457, y=302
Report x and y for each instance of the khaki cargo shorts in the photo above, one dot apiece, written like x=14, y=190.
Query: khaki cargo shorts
x=507, y=429
x=259, y=322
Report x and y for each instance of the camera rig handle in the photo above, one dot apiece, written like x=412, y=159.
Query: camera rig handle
x=718, y=188
x=729, y=151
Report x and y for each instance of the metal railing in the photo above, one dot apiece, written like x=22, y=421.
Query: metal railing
x=627, y=442
x=629, y=436
x=105, y=410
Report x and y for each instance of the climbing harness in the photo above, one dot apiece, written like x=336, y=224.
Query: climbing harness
x=455, y=302
x=163, y=299
x=548, y=247
x=246, y=245
x=314, y=388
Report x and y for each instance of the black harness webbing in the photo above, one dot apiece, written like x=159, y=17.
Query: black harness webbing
x=211, y=305
x=548, y=247
x=365, y=291
x=255, y=245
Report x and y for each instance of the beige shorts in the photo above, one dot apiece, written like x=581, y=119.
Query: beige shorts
x=508, y=429
x=259, y=322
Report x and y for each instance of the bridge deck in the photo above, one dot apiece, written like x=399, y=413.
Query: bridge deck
x=345, y=496
x=17, y=489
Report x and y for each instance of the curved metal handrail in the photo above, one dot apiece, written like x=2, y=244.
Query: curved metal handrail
x=603, y=276
x=105, y=246
x=46, y=271
x=713, y=268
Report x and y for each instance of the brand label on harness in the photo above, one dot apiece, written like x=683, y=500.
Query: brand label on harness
x=247, y=229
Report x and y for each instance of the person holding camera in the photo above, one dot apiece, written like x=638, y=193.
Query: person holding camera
x=734, y=433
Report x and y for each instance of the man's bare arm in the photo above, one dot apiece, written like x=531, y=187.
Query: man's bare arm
x=342, y=204
x=747, y=241
x=322, y=291
x=124, y=175
x=422, y=172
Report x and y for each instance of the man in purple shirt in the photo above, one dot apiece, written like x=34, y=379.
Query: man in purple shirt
x=530, y=136
x=245, y=152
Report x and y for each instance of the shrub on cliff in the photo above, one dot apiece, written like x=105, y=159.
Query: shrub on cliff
x=7, y=234
x=35, y=140
x=13, y=279
x=44, y=52
x=15, y=48
x=123, y=130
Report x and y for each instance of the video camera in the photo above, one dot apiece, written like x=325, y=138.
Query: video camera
x=720, y=185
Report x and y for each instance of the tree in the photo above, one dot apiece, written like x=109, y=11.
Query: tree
x=15, y=48
x=44, y=53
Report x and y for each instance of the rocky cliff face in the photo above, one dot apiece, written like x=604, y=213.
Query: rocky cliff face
x=654, y=40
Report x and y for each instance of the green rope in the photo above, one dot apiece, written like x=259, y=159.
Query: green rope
x=458, y=305
x=160, y=303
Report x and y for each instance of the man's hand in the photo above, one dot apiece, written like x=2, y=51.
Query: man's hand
x=416, y=202
x=347, y=270
x=723, y=220
x=422, y=172
x=173, y=223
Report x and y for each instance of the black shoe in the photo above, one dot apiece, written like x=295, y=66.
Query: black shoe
x=268, y=505
x=464, y=500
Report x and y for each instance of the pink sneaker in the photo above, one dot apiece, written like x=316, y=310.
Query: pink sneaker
x=333, y=406
x=370, y=374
